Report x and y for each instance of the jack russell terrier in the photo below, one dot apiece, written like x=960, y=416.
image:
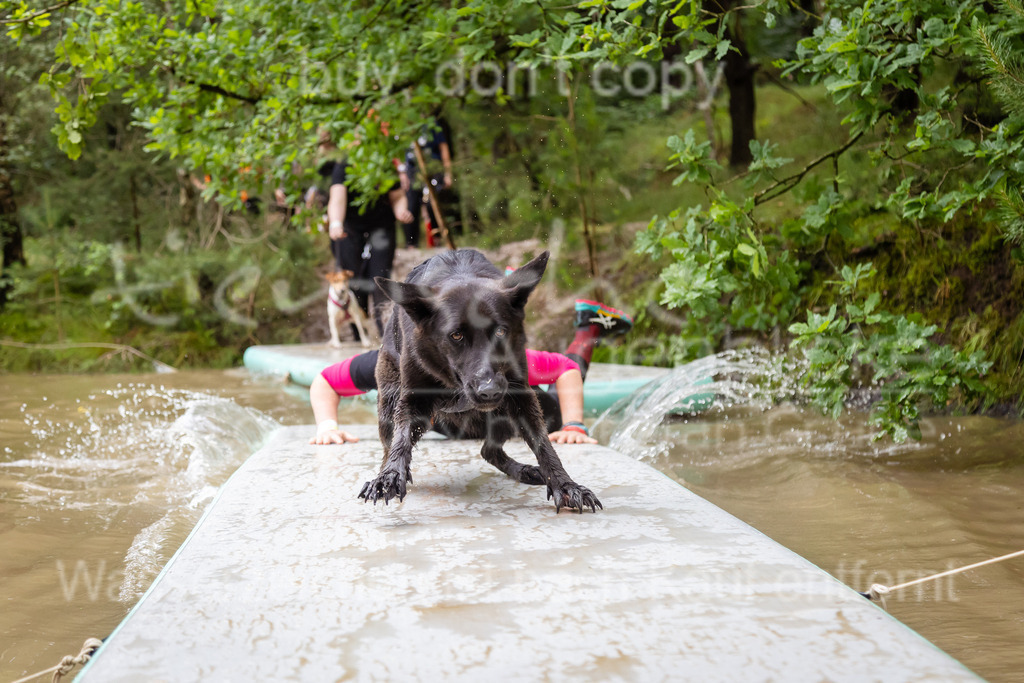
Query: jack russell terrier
x=341, y=303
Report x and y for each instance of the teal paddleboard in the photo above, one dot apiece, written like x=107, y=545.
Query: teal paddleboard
x=606, y=382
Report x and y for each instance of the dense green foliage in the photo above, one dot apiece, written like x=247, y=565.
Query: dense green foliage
x=907, y=83
x=873, y=227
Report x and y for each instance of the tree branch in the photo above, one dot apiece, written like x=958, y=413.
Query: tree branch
x=369, y=22
x=217, y=90
x=210, y=88
x=790, y=181
x=779, y=82
x=39, y=13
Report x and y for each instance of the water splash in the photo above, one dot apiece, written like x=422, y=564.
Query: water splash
x=153, y=455
x=754, y=401
x=750, y=377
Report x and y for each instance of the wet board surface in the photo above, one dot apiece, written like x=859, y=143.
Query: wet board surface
x=289, y=577
x=301, y=363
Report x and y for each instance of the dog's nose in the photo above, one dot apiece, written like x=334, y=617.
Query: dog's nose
x=490, y=389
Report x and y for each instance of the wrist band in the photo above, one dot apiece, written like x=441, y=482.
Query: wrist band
x=326, y=426
x=574, y=426
x=335, y=224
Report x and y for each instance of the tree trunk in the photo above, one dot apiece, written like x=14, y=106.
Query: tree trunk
x=811, y=17
x=10, y=228
x=581, y=190
x=739, y=76
x=135, y=213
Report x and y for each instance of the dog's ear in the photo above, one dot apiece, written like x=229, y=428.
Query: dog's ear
x=417, y=300
x=349, y=274
x=521, y=282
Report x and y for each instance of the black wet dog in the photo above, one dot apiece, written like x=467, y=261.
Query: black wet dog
x=454, y=358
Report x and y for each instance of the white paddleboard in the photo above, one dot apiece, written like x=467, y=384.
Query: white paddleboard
x=289, y=577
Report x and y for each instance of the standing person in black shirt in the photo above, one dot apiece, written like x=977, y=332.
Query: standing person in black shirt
x=363, y=238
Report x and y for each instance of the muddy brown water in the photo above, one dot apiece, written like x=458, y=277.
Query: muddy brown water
x=102, y=478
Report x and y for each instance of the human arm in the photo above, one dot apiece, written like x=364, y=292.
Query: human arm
x=403, y=177
x=569, y=386
x=446, y=161
x=544, y=367
x=337, y=202
x=400, y=205
x=324, y=401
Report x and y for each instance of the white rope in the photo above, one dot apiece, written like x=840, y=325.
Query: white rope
x=68, y=662
x=878, y=591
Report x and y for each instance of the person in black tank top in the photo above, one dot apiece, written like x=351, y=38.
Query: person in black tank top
x=362, y=238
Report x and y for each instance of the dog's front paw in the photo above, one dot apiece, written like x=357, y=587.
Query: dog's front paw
x=334, y=344
x=386, y=486
x=530, y=474
x=573, y=496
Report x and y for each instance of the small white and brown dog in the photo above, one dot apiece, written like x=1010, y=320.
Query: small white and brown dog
x=342, y=304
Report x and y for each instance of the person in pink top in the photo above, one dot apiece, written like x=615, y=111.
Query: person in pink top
x=562, y=402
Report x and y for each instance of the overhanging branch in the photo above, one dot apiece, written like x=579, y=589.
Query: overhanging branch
x=217, y=90
x=789, y=182
x=211, y=88
x=38, y=13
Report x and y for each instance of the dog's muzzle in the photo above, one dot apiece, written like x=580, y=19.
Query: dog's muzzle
x=487, y=390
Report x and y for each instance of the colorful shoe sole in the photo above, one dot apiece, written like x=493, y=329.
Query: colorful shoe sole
x=612, y=320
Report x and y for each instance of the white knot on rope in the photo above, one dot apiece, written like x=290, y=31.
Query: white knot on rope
x=878, y=591
x=67, y=663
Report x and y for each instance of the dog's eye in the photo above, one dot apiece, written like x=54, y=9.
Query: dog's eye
x=456, y=336
x=501, y=332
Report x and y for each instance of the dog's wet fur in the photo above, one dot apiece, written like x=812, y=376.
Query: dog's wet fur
x=454, y=358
